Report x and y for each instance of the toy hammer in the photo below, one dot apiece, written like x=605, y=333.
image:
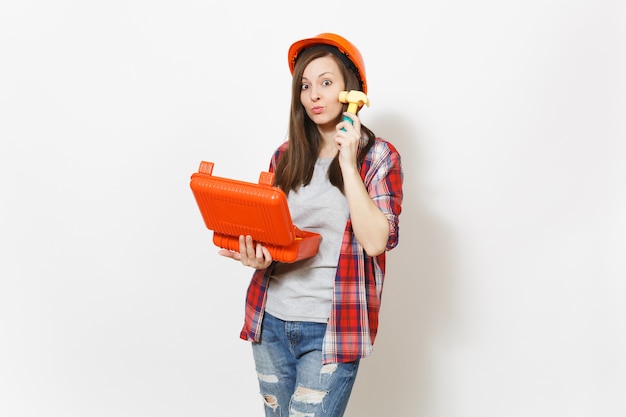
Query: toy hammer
x=355, y=99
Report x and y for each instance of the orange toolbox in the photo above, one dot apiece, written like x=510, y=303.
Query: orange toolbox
x=232, y=208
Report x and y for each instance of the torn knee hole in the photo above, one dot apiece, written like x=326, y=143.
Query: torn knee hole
x=270, y=401
x=267, y=378
x=309, y=395
x=329, y=368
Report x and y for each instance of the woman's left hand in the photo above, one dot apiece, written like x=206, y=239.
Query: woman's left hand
x=369, y=223
x=347, y=138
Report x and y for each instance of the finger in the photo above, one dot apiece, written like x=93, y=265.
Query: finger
x=244, y=251
x=267, y=254
x=259, y=251
x=344, y=128
x=230, y=254
x=250, y=250
x=242, y=244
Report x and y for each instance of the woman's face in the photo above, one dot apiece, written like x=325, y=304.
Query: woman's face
x=321, y=83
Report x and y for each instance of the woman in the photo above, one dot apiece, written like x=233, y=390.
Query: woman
x=310, y=322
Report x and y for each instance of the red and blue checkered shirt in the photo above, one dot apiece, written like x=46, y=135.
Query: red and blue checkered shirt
x=353, y=321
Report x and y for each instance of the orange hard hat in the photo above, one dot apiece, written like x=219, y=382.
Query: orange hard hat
x=345, y=47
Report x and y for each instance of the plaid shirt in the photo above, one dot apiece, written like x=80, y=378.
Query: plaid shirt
x=353, y=322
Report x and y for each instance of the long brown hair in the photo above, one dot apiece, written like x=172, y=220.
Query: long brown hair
x=295, y=166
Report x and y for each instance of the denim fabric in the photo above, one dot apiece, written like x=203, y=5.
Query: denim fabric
x=292, y=378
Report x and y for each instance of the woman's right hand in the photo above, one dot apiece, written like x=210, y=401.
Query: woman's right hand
x=255, y=256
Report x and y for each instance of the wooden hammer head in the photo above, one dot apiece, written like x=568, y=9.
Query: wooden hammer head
x=354, y=97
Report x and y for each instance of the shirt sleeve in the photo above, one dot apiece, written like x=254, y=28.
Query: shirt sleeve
x=384, y=179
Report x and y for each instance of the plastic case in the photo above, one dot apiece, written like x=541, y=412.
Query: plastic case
x=232, y=208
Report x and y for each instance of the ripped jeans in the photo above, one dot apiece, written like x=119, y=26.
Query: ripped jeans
x=292, y=379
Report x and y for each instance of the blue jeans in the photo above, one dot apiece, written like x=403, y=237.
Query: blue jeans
x=292, y=379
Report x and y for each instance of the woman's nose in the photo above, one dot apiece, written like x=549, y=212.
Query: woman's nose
x=314, y=94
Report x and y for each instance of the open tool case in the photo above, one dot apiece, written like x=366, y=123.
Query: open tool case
x=232, y=208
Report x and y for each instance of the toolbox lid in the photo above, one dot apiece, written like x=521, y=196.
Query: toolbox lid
x=235, y=207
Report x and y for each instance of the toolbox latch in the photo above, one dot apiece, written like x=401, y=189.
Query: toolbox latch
x=266, y=178
x=206, y=168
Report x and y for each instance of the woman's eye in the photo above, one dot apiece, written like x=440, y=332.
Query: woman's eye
x=326, y=82
x=304, y=86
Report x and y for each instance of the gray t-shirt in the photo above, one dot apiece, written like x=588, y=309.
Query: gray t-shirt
x=303, y=290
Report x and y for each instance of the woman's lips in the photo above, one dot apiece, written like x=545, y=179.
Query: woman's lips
x=317, y=110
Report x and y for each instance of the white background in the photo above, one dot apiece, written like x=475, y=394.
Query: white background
x=505, y=296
